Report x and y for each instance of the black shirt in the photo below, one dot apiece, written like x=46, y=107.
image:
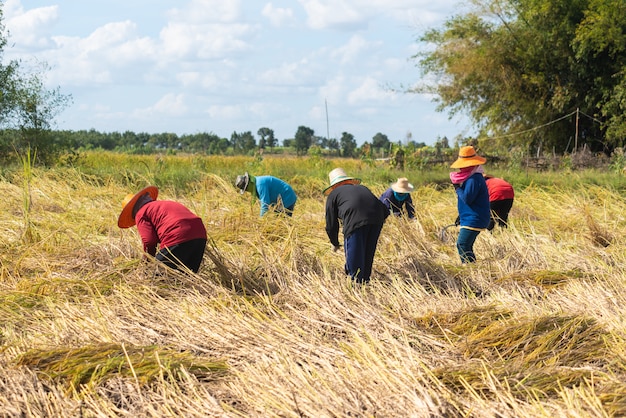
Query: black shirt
x=356, y=206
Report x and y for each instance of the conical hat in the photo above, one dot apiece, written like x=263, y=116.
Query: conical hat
x=126, y=219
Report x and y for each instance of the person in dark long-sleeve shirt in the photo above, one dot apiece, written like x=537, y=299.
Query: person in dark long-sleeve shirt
x=397, y=198
x=362, y=215
x=179, y=234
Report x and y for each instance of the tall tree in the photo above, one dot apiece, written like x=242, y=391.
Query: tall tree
x=27, y=106
x=521, y=69
x=380, y=142
x=266, y=137
x=303, y=139
x=348, y=144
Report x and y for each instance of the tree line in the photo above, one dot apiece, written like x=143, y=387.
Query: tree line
x=239, y=143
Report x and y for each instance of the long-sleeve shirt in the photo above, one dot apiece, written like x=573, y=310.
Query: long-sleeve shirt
x=499, y=189
x=356, y=206
x=473, y=202
x=396, y=206
x=270, y=189
x=167, y=223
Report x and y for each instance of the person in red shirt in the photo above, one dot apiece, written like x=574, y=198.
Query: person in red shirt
x=179, y=234
x=501, y=195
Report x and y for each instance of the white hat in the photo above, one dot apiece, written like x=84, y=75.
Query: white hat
x=339, y=176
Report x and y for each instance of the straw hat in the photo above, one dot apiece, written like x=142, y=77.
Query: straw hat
x=402, y=186
x=242, y=182
x=338, y=176
x=126, y=219
x=468, y=158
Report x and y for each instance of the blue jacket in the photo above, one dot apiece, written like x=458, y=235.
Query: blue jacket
x=396, y=206
x=473, y=202
x=269, y=189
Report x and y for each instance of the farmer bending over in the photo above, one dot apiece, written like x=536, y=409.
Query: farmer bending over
x=397, y=198
x=362, y=215
x=271, y=192
x=180, y=235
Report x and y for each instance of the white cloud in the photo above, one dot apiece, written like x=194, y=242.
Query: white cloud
x=191, y=79
x=26, y=27
x=170, y=105
x=369, y=91
x=109, y=35
x=227, y=112
x=351, y=14
x=351, y=52
x=322, y=14
x=98, y=57
x=291, y=73
x=335, y=89
x=278, y=16
x=209, y=41
x=205, y=11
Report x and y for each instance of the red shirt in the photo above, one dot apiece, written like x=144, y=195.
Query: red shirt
x=167, y=223
x=499, y=189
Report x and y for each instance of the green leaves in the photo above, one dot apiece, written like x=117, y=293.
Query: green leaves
x=514, y=65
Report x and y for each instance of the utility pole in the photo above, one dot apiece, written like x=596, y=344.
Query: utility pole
x=327, y=128
x=576, y=136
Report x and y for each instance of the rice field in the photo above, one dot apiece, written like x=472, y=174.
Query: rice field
x=271, y=327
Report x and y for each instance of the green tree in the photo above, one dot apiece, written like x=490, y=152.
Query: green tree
x=348, y=144
x=248, y=141
x=242, y=142
x=333, y=145
x=520, y=69
x=266, y=138
x=28, y=109
x=380, y=142
x=303, y=139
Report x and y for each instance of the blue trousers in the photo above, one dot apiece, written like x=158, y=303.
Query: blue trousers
x=465, y=244
x=360, y=248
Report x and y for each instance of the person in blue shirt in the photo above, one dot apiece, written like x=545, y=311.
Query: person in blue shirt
x=472, y=200
x=272, y=192
x=397, y=198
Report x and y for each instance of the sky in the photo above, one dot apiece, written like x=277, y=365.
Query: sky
x=224, y=66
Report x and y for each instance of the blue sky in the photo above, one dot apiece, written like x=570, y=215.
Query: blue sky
x=222, y=66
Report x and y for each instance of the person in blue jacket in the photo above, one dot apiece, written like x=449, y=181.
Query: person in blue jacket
x=397, y=198
x=272, y=192
x=472, y=200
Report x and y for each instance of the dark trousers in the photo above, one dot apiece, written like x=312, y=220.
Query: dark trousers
x=465, y=244
x=360, y=248
x=500, y=213
x=188, y=254
x=289, y=211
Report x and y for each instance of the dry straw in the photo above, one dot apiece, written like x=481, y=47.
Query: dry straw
x=271, y=326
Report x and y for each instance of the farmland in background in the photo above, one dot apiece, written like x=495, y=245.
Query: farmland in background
x=271, y=327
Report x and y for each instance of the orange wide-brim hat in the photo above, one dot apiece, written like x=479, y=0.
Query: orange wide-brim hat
x=126, y=219
x=468, y=158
